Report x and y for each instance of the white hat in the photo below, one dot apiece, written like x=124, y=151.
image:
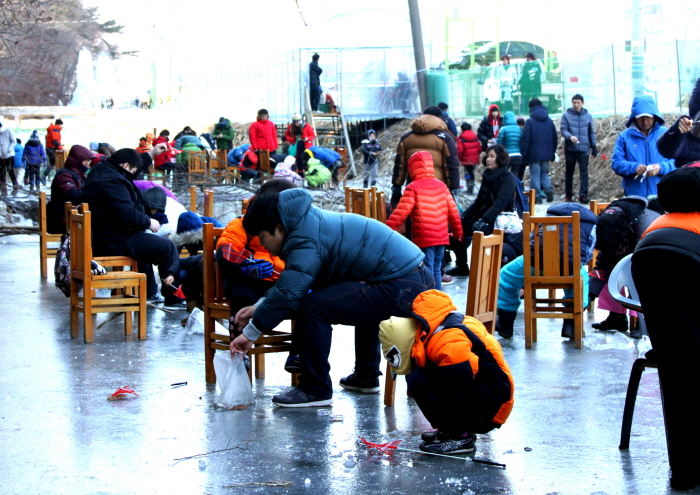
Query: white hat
x=643, y=115
x=296, y=116
x=290, y=160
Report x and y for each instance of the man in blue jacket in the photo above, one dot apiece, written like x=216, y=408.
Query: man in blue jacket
x=537, y=146
x=339, y=269
x=636, y=158
x=579, y=133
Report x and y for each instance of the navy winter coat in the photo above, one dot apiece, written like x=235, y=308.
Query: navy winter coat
x=685, y=148
x=539, y=141
x=322, y=248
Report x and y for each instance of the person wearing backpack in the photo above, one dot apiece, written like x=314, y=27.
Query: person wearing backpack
x=33, y=157
x=67, y=185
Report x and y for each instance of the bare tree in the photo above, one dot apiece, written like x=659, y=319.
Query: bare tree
x=40, y=41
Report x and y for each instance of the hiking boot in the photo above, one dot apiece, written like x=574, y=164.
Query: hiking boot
x=470, y=186
x=457, y=444
x=351, y=382
x=614, y=321
x=538, y=200
x=298, y=398
x=293, y=364
x=583, y=200
x=550, y=195
x=635, y=330
x=569, y=198
x=447, y=280
x=504, y=323
x=458, y=271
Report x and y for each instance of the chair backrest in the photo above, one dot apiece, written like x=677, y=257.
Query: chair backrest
x=264, y=160
x=197, y=162
x=597, y=208
x=218, y=160
x=60, y=158
x=358, y=201
x=213, y=275
x=485, y=275
x=531, y=201
x=553, y=247
x=80, y=242
x=620, y=277
x=208, y=203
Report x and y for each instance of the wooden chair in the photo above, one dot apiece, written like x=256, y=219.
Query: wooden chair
x=61, y=156
x=264, y=162
x=358, y=201
x=597, y=208
x=485, y=275
x=550, y=270
x=193, y=198
x=45, y=252
x=208, y=210
x=218, y=166
x=531, y=201
x=197, y=166
x=216, y=306
x=128, y=287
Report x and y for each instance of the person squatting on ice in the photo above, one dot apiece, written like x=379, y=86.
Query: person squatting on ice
x=339, y=269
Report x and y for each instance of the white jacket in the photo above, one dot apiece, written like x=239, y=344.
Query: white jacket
x=7, y=141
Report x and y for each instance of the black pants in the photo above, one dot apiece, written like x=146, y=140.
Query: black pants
x=360, y=304
x=147, y=250
x=521, y=170
x=51, y=155
x=7, y=167
x=673, y=324
x=314, y=96
x=514, y=164
x=571, y=158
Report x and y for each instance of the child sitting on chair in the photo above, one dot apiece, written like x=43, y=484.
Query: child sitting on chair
x=513, y=274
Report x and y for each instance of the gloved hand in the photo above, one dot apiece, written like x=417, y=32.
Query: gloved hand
x=395, y=195
x=97, y=269
x=257, y=268
x=480, y=225
x=594, y=151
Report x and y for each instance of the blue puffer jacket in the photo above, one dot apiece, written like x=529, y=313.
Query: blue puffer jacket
x=510, y=134
x=539, y=141
x=322, y=248
x=685, y=148
x=235, y=156
x=579, y=124
x=588, y=234
x=633, y=148
x=326, y=156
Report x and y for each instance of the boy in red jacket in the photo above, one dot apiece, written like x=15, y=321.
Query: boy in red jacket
x=429, y=203
x=468, y=150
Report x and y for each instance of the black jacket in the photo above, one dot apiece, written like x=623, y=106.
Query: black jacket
x=685, y=148
x=314, y=75
x=496, y=195
x=116, y=204
x=485, y=131
x=539, y=140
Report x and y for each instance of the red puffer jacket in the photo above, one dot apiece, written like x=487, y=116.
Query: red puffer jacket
x=468, y=148
x=164, y=157
x=429, y=203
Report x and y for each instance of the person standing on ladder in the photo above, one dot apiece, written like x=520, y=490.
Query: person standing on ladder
x=315, y=82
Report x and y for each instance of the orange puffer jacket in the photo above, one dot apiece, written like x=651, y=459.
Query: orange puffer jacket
x=429, y=203
x=235, y=234
x=447, y=339
x=53, y=137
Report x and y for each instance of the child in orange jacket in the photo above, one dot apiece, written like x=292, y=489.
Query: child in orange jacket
x=431, y=207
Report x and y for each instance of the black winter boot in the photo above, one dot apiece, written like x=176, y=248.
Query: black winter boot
x=614, y=321
x=567, y=328
x=460, y=250
x=504, y=323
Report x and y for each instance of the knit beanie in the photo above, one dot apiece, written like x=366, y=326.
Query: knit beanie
x=433, y=110
x=155, y=197
x=296, y=116
x=188, y=222
x=126, y=155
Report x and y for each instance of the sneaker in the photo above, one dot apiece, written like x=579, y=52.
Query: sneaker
x=614, y=321
x=455, y=445
x=447, y=280
x=583, y=200
x=156, y=298
x=299, y=398
x=432, y=436
x=351, y=382
x=458, y=271
x=538, y=200
x=176, y=306
x=293, y=364
x=569, y=198
x=550, y=195
x=568, y=329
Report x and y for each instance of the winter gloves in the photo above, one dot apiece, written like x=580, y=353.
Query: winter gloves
x=481, y=225
x=594, y=151
x=257, y=268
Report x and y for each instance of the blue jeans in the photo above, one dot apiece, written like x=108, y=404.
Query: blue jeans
x=434, y=256
x=539, y=176
x=513, y=279
x=360, y=304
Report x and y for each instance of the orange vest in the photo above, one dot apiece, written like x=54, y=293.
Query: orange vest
x=235, y=234
x=686, y=221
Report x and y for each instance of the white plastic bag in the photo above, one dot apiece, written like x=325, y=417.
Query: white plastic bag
x=195, y=323
x=232, y=381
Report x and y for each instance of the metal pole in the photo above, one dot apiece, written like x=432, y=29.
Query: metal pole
x=678, y=70
x=637, y=50
x=418, y=52
x=612, y=51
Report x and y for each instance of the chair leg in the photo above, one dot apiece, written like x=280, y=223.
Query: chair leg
x=578, y=330
x=529, y=320
x=87, y=318
x=128, y=322
x=632, y=389
x=259, y=365
x=142, y=309
x=210, y=374
x=389, y=387
x=533, y=330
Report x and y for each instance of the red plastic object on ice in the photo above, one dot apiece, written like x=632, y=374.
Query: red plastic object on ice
x=387, y=448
